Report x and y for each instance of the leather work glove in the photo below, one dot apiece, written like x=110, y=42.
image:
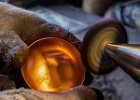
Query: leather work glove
x=18, y=29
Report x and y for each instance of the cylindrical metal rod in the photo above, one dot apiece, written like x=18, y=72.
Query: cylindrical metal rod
x=105, y=46
x=127, y=56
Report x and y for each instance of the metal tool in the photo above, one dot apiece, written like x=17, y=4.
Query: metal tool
x=105, y=46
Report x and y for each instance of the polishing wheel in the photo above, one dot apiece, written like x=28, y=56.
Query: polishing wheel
x=104, y=32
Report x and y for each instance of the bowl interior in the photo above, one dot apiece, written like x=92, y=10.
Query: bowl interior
x=53, y=65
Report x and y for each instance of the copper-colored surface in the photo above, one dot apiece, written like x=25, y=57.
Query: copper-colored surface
x=53, y=65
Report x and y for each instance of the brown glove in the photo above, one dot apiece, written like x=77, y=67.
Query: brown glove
x=18, y=29
x=77, y=93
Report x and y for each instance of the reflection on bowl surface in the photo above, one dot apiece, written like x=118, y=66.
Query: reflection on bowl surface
x=53, y=65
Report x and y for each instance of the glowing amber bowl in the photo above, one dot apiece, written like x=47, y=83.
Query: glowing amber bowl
x=53, y=65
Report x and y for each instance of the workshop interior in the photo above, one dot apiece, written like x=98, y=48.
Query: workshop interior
x=89, y=43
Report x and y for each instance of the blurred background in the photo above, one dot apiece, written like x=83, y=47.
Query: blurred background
x=77, y=16
x=125, y=11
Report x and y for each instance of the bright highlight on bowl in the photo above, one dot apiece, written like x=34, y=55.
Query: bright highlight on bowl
x=53, y=65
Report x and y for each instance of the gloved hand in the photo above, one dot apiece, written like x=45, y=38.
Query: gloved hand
x=77, y=93
x=18, y=29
